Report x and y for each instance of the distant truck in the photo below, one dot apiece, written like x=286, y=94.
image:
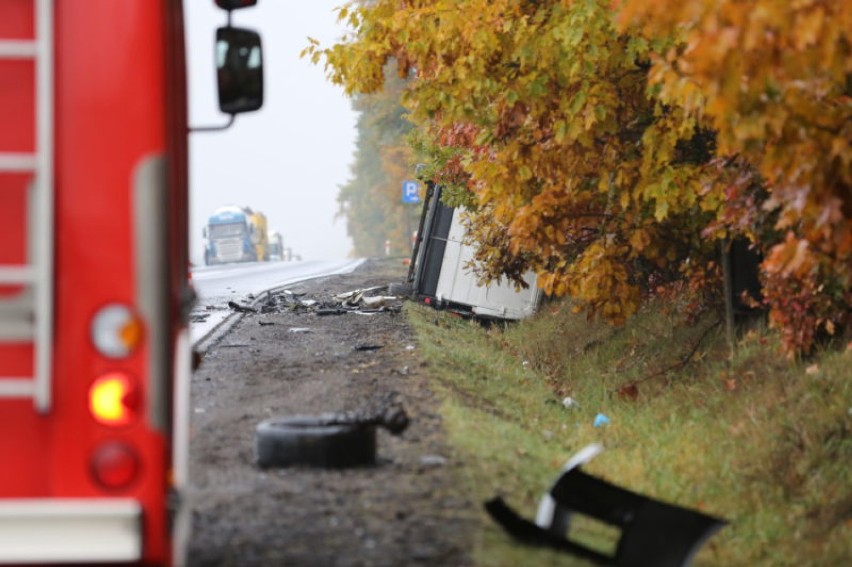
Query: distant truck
x=276, y=247
x=259, y=234
x=439, y=277
x=230, y=237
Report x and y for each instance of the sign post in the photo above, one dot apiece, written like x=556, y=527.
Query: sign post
x=410, y=191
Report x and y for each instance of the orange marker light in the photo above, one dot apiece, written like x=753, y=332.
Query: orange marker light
x=116, y=331
x=114, y=399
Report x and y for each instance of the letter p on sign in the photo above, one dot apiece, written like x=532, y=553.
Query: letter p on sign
x=410, y=192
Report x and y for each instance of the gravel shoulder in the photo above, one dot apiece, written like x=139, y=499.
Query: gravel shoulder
x=409, y=509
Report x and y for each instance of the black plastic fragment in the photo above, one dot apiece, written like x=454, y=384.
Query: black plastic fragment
x=333, y=311
x=241, y=308
x=651, y=532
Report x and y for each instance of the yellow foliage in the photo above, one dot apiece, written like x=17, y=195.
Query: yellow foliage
x=601, y=142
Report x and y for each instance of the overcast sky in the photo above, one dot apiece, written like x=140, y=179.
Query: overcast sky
x=287, y=159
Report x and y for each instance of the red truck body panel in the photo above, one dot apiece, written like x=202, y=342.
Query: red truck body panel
x=119, y=104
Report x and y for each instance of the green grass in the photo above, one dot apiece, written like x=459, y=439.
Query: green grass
x=761, y=441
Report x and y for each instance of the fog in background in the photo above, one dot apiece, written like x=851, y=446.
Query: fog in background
x=288, y=158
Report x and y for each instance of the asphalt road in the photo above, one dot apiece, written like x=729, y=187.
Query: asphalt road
x=409, y=508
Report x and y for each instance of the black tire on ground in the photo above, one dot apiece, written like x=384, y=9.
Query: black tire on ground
x=311, y=441
x=401, y=289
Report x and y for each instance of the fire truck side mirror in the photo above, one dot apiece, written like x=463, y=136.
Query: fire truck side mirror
x=235, y=4
x=239, y=65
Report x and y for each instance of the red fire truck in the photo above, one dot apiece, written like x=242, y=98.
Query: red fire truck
x=94, y=298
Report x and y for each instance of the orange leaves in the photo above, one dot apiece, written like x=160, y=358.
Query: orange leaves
x=605, y=143
x=772, y=79
x=792, y=257
x=458, y=134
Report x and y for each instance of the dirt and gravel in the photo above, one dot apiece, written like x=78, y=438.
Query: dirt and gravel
x=408, y=509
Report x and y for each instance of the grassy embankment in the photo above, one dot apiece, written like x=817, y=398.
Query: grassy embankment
x=761, y=441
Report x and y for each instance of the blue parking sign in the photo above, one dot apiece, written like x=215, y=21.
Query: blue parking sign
x=410, y=192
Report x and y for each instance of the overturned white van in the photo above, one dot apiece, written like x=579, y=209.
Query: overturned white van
x=438, y=276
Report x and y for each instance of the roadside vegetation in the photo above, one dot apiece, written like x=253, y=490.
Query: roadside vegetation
x=612, y=146
x=759, y=441
x=615, y=148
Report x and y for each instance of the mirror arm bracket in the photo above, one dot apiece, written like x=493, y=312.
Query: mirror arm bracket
x=214, y=128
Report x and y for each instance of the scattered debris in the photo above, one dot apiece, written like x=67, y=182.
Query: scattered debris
x=241, y=308
x=197, y=357
x=313, y=441
x=332, y=311
x=298, y=330
x=383, y=309
x=433, y=461
x=334, y=440
x=377, y=301
x=392, y=417
x=601, y=420
x=409, y=347
x=270, y=305
x=568, y=402
x=357, y=301
x=354, y=296
x=265, y=323
x=644, y=523
x=367, y=347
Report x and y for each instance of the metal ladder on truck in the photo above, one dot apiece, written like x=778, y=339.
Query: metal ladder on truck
x=26, y=317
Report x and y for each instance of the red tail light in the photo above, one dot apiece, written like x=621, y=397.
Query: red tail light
x=114, y=399
x=114, y=465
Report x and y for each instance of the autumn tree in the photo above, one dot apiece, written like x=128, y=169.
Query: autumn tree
x=604, y=144
x=774, y=81
x=370, y=199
